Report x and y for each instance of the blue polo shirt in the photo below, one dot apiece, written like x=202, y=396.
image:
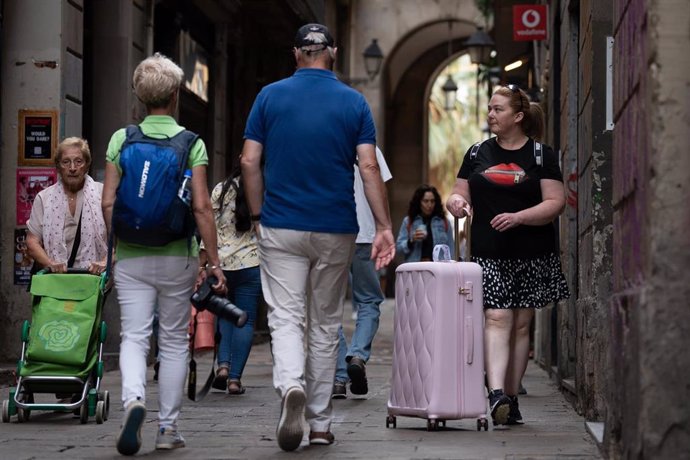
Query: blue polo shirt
x=310, y=125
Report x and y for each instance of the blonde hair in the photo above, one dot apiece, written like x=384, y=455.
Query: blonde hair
x=532, y=123
x=77, y=142
x=156, y=79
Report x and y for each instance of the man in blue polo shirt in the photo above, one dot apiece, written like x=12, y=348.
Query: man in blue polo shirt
x=309, y=128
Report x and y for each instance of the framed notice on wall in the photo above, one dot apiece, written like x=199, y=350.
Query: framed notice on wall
x=37, y=137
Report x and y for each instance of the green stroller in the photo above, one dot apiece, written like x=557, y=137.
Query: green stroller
x=62, y=348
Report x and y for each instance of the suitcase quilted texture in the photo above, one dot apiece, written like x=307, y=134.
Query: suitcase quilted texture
x=438, y=354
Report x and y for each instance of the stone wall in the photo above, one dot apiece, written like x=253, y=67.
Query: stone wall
x=649, y=309
x=593, y=197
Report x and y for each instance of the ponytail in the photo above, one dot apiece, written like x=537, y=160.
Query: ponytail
x=533, y=122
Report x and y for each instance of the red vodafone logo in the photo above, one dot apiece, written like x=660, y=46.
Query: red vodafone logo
x=529, y=22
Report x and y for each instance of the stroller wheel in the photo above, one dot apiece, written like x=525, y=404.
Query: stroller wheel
x=106, y=400
x=84, y=413
x=100, y=412
x=6, y=411
x=23, y=415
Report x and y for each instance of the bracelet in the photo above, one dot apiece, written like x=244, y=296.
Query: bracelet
x=211, y=267
x=255, y=217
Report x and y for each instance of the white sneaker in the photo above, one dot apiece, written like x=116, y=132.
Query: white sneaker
x=129, y=438
x=290, y=429
x=169, y=438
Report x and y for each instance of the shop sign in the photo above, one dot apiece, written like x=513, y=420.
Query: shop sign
x=530, y=22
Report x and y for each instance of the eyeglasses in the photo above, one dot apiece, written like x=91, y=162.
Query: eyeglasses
x=77, y=162
x=516, y=90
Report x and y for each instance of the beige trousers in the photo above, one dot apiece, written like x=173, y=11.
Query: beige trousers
x=304, y=278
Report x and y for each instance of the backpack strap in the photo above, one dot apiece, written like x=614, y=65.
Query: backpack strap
x=184, y=140
x=474, y=150
x=538, y=153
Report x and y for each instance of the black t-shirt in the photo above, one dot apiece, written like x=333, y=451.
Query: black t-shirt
x=508, y=181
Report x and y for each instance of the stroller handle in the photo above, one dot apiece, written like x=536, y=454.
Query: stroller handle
x=73, y=271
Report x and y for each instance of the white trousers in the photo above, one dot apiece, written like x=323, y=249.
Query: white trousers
x=304, y=279
x=142, y=283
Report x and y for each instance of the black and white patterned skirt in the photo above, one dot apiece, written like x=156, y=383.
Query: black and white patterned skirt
x=522, y=283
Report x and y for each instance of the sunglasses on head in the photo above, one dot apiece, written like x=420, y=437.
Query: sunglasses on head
x=516, y=90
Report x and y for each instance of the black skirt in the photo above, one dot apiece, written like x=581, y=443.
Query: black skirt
x=522, y=283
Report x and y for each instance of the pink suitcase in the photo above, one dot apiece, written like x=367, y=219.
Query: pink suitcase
x=438, y=354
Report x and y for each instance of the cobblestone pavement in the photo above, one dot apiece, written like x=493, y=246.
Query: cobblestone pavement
x=243, y=427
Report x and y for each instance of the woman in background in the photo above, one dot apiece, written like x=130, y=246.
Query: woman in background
x=424, y=227
x=239, y=259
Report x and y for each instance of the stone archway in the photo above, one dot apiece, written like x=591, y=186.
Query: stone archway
x=413, y=65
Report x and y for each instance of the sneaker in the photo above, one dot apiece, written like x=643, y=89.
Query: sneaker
x=290, y=430
x=168, y=438
x=358, y=376
x=321, y=438
x=339, y=390
x=514, y=416
x=499, y=404
x=129, y=439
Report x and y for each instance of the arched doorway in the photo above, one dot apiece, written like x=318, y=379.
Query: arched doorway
x=451, y=132
x=408, y=81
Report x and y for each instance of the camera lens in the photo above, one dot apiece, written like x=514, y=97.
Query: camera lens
x=205, y=299
x=225, y=309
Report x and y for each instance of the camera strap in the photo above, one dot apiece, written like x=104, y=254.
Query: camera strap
x=191, y=377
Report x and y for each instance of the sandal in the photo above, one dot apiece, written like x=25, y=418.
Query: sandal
x=220, y=382
x=235, y=387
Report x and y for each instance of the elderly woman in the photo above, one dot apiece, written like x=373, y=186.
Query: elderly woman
x=146, y=276
x=66, y=227
x=513, y=187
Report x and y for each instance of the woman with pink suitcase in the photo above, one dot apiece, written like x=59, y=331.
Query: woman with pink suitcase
x=512, y=187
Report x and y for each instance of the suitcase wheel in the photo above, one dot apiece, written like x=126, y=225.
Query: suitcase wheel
x=431, y=425
x=482, y=423
x=391, y=421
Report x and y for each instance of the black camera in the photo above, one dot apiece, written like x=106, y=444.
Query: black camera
x=205, y=299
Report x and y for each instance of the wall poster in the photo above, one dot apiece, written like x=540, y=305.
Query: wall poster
x=30, y=181
x=22, y=261
x=37, y=137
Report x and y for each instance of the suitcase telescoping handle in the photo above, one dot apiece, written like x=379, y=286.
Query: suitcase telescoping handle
x=466, y=228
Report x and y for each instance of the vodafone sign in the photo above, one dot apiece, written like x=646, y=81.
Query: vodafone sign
x=529, y=22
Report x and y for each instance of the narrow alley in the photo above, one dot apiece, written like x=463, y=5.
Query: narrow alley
x=243, y=427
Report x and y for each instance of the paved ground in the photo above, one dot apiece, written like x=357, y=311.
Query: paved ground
x=243, y=427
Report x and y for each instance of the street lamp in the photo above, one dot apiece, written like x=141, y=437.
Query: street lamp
x=449, y=87
x=479, y=46
x=373, y=57
x=449, y=90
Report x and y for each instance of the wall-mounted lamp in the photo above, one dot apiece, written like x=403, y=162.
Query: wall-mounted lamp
x=479, y=46
x=450, y=89
x=373, y=58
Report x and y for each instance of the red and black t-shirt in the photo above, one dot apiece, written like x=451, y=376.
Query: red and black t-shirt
x=508, y=181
